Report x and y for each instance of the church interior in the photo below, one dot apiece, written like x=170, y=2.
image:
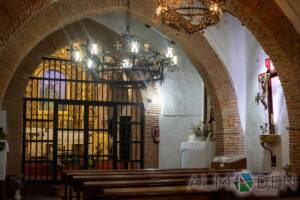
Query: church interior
x=149, y=99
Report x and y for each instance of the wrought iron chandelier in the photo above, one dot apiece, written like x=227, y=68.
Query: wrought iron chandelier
x=190, y=15
x=136, y=62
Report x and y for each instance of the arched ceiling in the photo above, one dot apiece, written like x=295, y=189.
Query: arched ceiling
x=13, y=13
x=173, y=91
x=18, y=36
x=52, y=16
x=291, y=8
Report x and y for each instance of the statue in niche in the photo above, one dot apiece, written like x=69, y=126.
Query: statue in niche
x=265, y=96
x=50, y=91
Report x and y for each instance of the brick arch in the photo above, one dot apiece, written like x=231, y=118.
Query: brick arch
x=281, y=42
x=47, y=19
x=75, y=32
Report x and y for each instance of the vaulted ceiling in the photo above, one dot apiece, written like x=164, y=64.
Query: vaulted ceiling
x=292, y=10
x=10, y=10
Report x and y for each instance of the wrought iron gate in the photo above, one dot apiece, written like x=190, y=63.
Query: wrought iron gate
x=72, y=121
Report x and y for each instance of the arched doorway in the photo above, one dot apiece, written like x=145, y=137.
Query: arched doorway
x=71, y=120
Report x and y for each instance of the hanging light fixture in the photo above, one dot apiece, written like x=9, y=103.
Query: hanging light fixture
x=137, y=60
x=190, y=15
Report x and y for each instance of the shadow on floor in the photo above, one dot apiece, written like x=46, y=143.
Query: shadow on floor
x=41, y=192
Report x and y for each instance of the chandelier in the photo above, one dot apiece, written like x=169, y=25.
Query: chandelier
x=190, y=15
x=134, y=62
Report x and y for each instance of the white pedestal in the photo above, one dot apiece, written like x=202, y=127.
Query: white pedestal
x=197, y=154
x=3, y=160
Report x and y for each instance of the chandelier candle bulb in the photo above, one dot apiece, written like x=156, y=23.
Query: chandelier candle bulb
x=146, y=47
x=77, y=56
x=216, y=8
x=170, y=52
x=126, y=64
x=138, y=63
x=90, y=63
x=134, y=47
x=94, y=49
x=190, y=15
x=158, y=10
x=175, y=60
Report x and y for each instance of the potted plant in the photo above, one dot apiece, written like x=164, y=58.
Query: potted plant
x=202, y=142
x=287, y=170
x=3, y=138
x=202, y=132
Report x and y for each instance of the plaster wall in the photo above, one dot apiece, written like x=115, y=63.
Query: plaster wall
x=258, y=158
x=3, y=119
x=181, y=94
x=227, y=38
x=244, y=59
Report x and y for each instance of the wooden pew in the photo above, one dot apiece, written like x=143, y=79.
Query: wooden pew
x=78, y=181
x=167, y=192
x=95, y=189
x=141, y=189
x=68, y=175
x=179, y=193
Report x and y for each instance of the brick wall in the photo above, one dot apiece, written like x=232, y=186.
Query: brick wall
x=14, y=105
x=152, y=113
x=262, y=17
x=27, y=23
x=281, y=42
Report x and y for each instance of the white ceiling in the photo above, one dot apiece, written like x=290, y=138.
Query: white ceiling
x=292, y=10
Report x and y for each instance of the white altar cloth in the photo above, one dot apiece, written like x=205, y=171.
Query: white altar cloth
x=197, y=154
x=3, y=161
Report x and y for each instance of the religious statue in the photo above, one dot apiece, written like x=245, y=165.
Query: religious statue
x=261, y=97
x=264, y=96
x=50, y=91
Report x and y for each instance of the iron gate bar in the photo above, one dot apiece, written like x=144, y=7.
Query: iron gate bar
x=86, y=135
x=48, y=125
x=36, y=132
x=55, y=136
x=98, y=103
x=24, y=135
x=30, y=135
x=142, y=135
x=114, y=133
x=72, y=114
x=60, y=114
x=42, y=143
x=132, y=84
x=37, y=120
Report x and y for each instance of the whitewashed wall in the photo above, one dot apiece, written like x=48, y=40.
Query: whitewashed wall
x=181, y=94
x=244, y=59
x=3, y=119
x=259, y=159
x=228, y=40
